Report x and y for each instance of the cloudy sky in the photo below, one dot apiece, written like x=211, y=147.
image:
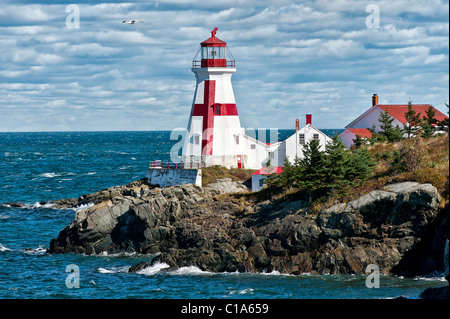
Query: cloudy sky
x=321, y=57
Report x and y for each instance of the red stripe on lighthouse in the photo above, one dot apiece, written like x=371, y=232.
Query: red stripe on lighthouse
x=207, y=111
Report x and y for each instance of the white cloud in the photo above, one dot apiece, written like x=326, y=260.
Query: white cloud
x=292, y=58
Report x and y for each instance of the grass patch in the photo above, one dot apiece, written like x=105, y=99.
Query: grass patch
x=213, y=173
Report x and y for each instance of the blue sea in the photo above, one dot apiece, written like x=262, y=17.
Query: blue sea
x=37, y=167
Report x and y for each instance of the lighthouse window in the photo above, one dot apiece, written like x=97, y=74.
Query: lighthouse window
x=253, y=146
x=197, y=139
x=237, y=139
x=217, y=109
x=301, y=139
x=204, y=52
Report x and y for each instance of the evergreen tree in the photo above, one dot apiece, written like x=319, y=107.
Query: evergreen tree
x=428, y=121
x=312, y=168
x=388, y=132
x=358, y=142
x=385, y=124
x=444, y=124
x=336, y=163
x=395, y=134
x=360, y=167
x=413, y=121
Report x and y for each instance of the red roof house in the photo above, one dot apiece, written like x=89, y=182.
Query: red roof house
x=370, y=118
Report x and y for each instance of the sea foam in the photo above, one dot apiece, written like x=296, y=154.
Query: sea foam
x=3, y=248
x=49, y=175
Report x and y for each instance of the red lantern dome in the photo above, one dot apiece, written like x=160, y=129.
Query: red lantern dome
x=214, y=53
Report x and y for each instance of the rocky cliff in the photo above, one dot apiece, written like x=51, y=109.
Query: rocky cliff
x=192, y=226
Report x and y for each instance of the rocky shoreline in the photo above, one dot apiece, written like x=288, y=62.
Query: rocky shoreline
x=401, y=228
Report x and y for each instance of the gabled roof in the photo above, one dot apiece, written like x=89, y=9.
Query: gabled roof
x=266, y=171
x=363, y=132
x=398, y=111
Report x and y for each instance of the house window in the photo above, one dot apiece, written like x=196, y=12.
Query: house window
x=237, y=139
x=316, y=136
x=217, y=109
x=271, y=154
x=262, y=181
x=301, y=139
x=197, y=139
x=253, y=146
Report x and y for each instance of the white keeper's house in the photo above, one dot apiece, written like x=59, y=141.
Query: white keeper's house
x=214, y=132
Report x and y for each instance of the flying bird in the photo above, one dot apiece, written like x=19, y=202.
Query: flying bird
x=131, y=21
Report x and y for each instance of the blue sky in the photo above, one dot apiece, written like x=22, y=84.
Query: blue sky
x=292, y=58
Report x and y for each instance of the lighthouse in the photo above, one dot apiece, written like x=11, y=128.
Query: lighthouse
x=214, y=133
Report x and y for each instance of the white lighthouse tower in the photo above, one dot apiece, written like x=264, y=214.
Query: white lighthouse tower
x=215, y=135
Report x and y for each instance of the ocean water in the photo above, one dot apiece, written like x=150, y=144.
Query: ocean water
x=37, y=167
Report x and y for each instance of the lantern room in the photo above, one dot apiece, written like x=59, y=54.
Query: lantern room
x=213, y=53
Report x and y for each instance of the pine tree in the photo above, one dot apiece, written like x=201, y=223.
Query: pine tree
x=388, y=132
x=385, y=122
x=358, y=142
x=428, y=121
x=335, y=163
x=386, y=127
x=312, y=168
x=360, y=167
x=413, y=121
x=444, y=124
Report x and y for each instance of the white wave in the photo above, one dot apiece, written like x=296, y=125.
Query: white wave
x=36, y=251
x=106, y=271
x=38, y=205
x=154, y=269
x=49, y=175
x=242, y=292
x=432, y=277
x=3, y=216
x=272, y=273
x=113, y=270
x=133, y=158
x=83, y=206
x=190, y=271
x=92, y=173
x=3, y=248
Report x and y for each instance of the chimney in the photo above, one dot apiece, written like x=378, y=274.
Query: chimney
x=374, y=99
x=297, y=125
x=308, y=119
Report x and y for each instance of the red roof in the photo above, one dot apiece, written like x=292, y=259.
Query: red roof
x=214, y=41
x=266, y=171
x=398, y=111
x=363, y=132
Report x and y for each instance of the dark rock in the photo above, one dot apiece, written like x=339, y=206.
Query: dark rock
x=139, y=266
x=189, y=226
x=15, y=204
